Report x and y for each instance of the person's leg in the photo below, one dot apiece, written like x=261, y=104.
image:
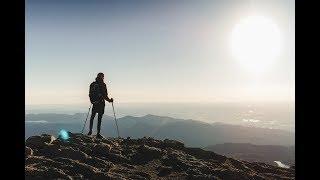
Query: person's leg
x=93, y=114
x=100, y=114
x=99, y=122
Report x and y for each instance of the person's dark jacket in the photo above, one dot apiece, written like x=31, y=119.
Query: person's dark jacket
x=102, y=92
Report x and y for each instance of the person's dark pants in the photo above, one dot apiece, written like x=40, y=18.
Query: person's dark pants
x=97, y=108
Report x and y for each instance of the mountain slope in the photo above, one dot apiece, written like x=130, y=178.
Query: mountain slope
x=85, y=157
x=250, y=152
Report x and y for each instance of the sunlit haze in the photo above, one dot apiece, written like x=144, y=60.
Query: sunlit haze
x=256, y=42
x=160, y=51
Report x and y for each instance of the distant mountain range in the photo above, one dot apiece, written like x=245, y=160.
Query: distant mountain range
x=193, y=133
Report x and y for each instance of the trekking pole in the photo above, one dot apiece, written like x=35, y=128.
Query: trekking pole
x=115, y=119
x=86, y=119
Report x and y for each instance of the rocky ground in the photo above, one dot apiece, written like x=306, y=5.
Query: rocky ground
x=86, y=157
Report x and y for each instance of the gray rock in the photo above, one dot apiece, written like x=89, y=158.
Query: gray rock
x=28, y=151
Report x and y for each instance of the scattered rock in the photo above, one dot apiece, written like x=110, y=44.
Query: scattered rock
x=164, y=171
x=28, y=151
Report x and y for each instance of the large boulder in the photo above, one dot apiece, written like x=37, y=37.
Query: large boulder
x=146, y=153
x=47, y=173
x=101, y=149
x=117, y=158
x=150, y=152
x=73, y=154
x=168, y=143
x=164, y=170
x=51, y=150
x=99, y=163
x=39, y=142
x=202, y=154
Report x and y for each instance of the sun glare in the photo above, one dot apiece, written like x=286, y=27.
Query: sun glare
x=256, y=42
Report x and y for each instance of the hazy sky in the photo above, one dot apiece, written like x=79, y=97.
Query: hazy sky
x=151, y=51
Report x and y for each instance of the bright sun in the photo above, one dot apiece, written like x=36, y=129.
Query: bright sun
x=256, y=42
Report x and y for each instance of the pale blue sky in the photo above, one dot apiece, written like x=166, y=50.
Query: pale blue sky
x=150, y=51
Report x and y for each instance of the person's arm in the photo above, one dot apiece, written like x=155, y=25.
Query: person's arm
x=106, y=95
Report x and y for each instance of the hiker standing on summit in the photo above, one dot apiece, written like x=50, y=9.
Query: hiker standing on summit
x=98, y=94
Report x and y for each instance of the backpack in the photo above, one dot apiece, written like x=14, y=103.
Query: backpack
x=94, y=92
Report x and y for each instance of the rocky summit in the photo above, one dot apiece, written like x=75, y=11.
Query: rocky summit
x=86, y=157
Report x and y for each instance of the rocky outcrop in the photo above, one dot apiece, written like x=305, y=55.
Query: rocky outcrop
x=86, y=157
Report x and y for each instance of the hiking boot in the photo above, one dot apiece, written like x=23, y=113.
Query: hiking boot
x=99, y=136
x=90, y=132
